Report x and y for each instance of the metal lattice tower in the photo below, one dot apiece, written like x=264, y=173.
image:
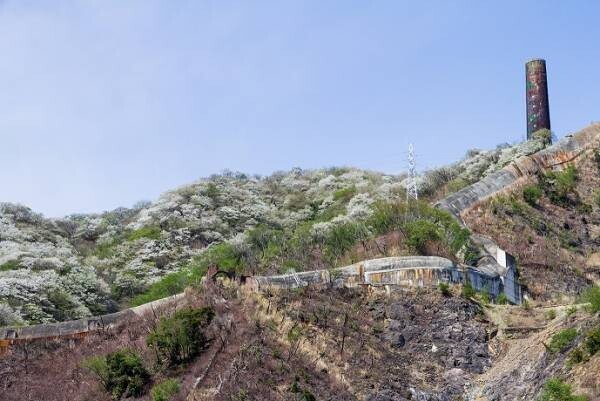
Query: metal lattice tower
x=411, y=186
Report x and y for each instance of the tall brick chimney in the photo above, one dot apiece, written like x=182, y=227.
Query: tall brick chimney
x=538, y=109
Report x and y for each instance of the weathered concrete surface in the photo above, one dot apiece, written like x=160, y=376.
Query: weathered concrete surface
x=79, y=327
x=409, y=271
x=555, y=156
x=492, y=258
x=404, y=269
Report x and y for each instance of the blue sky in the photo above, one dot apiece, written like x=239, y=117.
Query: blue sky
x=103, y=103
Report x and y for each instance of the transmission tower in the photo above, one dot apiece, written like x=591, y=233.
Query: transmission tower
x=411, y=184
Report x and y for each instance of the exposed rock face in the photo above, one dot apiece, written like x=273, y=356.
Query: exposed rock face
x=526, y=364
x=447, y=329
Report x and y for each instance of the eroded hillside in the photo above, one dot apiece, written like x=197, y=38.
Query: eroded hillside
x=333, y=344
x=557, y=218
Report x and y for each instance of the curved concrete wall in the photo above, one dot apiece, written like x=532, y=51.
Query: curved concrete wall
x=413, y=271
x=564, y=151
x=408, y=270
x=81, y=326
x=493, y=259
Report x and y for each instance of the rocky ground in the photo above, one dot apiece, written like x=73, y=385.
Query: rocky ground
x=523, y=362
x=349, y=345
x=332, y=344
x=558, y=246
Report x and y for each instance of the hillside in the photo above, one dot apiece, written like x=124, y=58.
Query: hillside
x=557, y=216
x=82, y=265
x=430, y=333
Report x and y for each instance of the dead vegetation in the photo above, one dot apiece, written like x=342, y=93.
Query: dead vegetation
x=306, y=344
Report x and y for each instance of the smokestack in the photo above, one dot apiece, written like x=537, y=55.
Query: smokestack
x=538, y=110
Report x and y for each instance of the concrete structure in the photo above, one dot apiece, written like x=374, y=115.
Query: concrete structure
x=78, y=328
x=536, y=90
x=519, y=171
x=406, y=271
x=494, y=260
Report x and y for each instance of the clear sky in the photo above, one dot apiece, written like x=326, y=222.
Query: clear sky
x=103, y=103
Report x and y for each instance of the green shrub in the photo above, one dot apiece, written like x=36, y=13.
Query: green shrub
x=387, y=216
x=584, y=208
x=262, y=235
x=344, y=194
x=150, y=232
x=432, y=224
x=212, y=191
x=485, y=296
x=122, y=373
x=502, y=300
x=597, y=197
x=224, y=255
x=597, y=158
x=98, y=366
x=559, y=184
x=467, y=290
x=444, y=289
x=307, y=396
x=341, y=238
x=551, y=314
x=562, y=339
x=576, y=356
x=421, y=232
x=592, y=295
x=65, y=308
x=170, y=284
x=242, y=395
x=164, y=390
x=10, y=265
x=557, y=390
x=571, y=310
x=592, y=341
x=532, y=194
x=107, y=249
x=181, y=337
x=544, y=134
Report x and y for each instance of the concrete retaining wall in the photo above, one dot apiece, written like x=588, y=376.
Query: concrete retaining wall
x=411, y=271
x=81, y=326
x=493, y=258
x=564, y=151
